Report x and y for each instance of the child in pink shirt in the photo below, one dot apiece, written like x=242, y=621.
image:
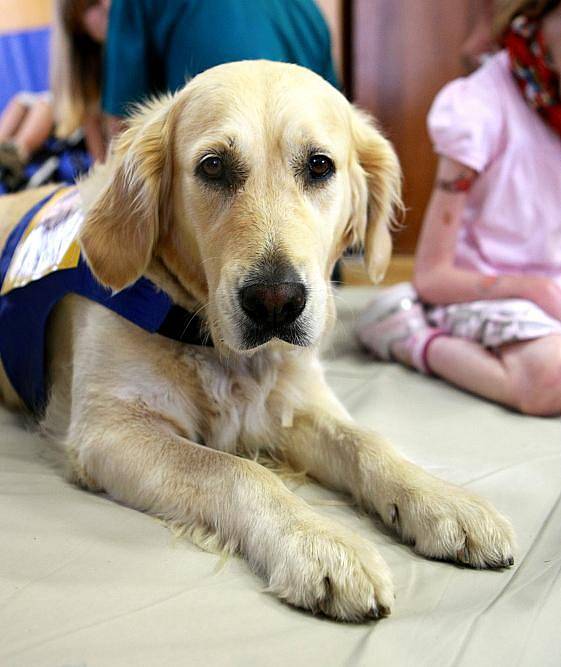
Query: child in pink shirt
x=488, y=265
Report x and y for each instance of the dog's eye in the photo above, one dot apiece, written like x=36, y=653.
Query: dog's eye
x=213, y=167
x=320, y=167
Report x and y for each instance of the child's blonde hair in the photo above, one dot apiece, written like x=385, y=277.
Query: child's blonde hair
x=76, y=67
x=507, y=10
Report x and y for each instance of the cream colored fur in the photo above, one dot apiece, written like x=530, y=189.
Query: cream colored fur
x=160, y=425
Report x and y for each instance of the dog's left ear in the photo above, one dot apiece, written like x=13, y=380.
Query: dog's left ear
x=129, y=197
x=376, y=182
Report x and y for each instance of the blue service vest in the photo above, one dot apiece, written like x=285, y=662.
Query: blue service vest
x=24, y=312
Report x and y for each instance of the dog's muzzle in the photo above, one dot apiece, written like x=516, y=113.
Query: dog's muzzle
x=273, y=302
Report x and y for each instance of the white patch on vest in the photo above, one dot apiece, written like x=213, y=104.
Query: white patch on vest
x=49, y=243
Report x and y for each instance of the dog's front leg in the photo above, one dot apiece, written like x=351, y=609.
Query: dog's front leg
x=441, y=520
x=142, y=460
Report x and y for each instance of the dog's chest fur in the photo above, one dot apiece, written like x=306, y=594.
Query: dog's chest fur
x=231, y=405
x=237, y=397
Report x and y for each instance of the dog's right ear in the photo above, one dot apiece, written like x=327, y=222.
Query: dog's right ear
x=127, y=213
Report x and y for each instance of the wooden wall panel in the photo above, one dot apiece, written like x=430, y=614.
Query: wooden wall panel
x=403, y=51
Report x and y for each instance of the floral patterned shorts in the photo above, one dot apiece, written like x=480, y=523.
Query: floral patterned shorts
x=494, y=323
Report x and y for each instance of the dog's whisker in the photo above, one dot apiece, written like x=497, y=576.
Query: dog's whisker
x=193, y=316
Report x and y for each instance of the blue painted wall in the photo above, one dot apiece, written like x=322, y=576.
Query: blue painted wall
x=24, y=62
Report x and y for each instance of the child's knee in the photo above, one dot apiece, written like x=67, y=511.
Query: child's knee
x=537, y=379
x=23, y=100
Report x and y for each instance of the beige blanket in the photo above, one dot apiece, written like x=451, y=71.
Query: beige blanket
x=84, y=581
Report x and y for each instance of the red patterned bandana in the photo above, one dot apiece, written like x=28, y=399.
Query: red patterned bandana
x=533, y=69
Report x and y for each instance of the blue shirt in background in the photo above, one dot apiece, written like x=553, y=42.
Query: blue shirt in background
x=153, y=46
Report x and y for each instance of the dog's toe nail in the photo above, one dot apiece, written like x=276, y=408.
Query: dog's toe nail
x=374, y=612
x=384, y=611
x=394, y=515
x=509, y=561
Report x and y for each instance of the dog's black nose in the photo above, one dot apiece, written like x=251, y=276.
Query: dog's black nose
x=273, y=305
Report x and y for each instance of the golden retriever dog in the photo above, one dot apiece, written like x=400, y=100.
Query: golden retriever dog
x=236, y=196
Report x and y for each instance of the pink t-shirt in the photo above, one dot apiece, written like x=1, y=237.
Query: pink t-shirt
x=512, y=221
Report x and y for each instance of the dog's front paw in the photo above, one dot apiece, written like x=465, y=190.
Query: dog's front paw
x=332, y=572
x=448, y=523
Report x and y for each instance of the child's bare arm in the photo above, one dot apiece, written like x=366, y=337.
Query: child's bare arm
x=437, y=279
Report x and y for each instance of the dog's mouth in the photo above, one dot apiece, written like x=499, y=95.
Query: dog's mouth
x=254, y=336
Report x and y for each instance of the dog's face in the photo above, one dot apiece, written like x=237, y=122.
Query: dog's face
x=247, y=185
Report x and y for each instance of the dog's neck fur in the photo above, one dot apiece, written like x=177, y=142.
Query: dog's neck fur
x=163, y=278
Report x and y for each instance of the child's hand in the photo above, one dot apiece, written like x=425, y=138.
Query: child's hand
x=542, y=291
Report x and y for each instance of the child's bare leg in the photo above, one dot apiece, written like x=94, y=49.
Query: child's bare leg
x=35, y=128
x=535, y=367
x=11, y=118
x=471, y=366
x=525, y=376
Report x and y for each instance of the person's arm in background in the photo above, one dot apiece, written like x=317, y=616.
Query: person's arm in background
x=329, y=73
x=328, y=69
x=126, y=63
x=114, y=125
x=95, y=135
x=438, y=281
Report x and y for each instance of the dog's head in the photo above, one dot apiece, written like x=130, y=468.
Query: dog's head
x=247, y=185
